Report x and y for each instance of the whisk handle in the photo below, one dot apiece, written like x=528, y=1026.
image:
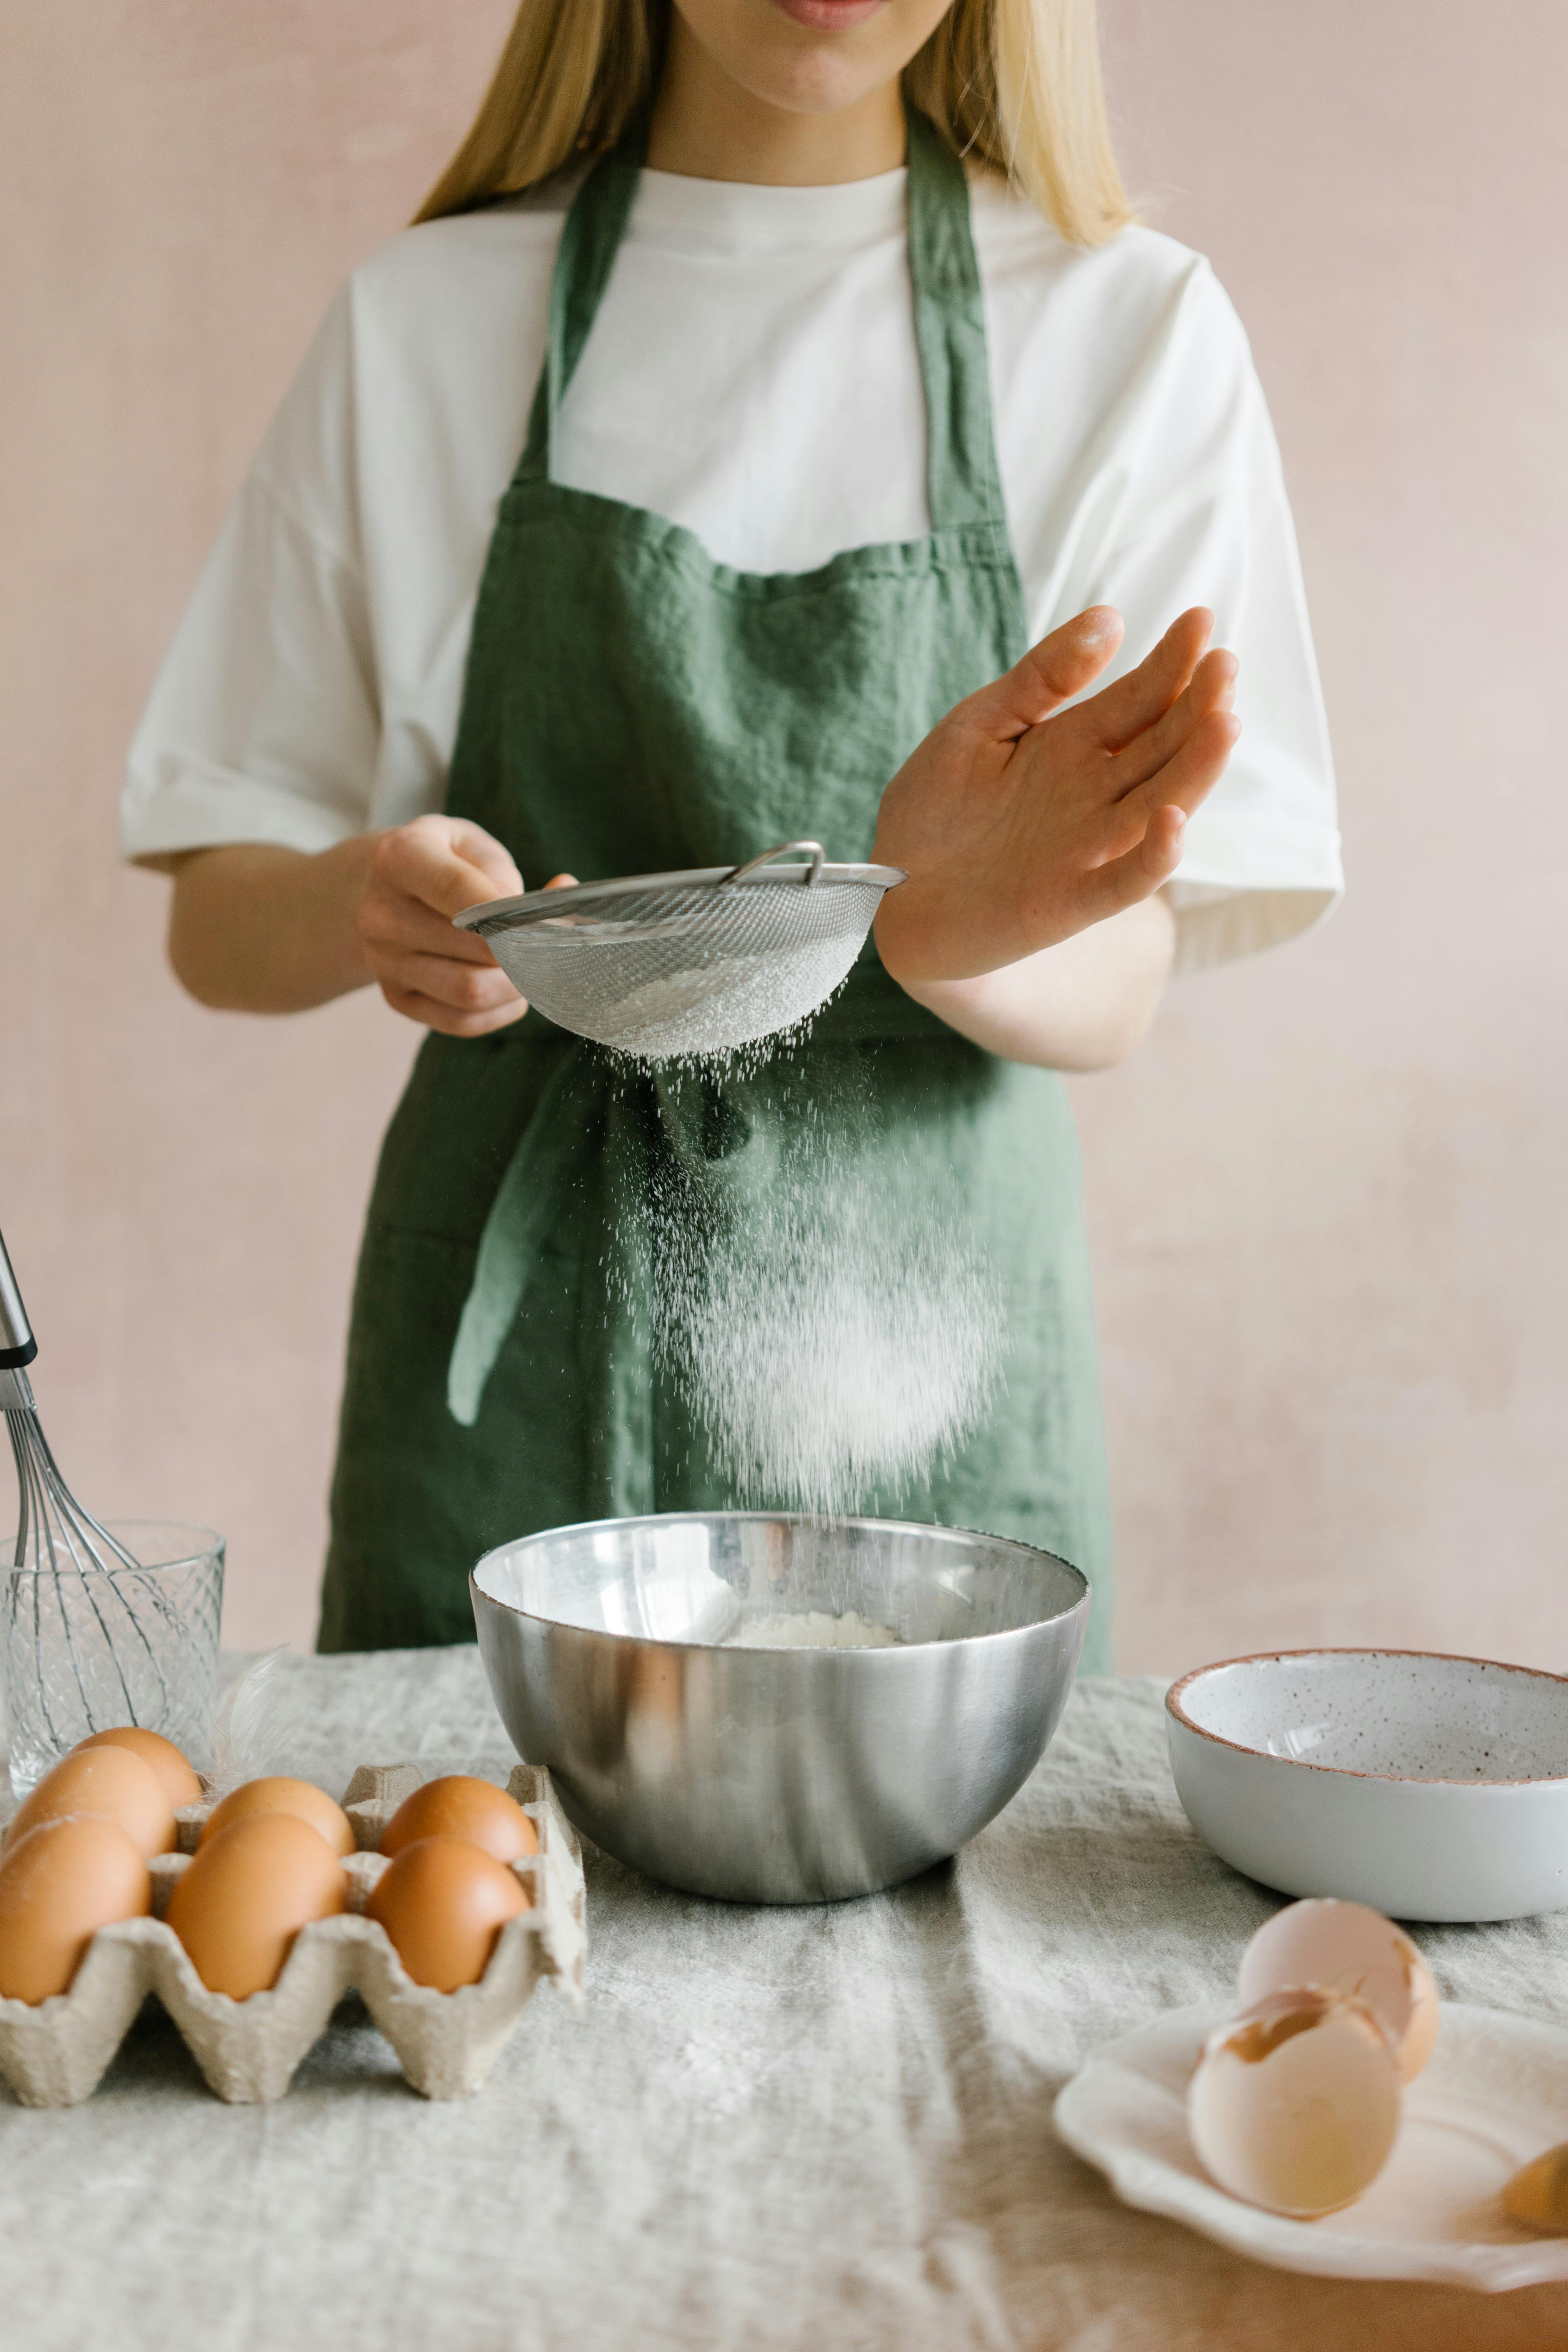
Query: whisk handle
x=17, y=1345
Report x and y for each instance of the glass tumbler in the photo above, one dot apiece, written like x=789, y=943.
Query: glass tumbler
x=88, y=1650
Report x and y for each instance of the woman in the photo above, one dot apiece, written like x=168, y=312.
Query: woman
x=821, y=428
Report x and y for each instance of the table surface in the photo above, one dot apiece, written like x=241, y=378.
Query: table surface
x=826, y=2127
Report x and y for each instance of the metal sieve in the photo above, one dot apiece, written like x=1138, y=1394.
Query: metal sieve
x=699, y=962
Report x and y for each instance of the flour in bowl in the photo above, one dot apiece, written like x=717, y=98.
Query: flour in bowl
x=813, y=1630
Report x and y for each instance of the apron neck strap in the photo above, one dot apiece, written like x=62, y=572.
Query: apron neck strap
x=963, y=479
x=590, y=241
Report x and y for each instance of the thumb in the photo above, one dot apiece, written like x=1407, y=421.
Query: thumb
x=1050, y=674
x=480, y=849
x=445, y=862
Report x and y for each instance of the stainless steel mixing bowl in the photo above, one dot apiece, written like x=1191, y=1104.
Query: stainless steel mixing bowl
x=770, y=1775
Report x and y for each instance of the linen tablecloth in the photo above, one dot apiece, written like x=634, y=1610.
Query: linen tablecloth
x=823, y=2128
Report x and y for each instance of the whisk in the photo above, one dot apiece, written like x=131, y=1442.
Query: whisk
x=68, y=1577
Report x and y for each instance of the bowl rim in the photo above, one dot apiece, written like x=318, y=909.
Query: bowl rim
x=859, y=1519
x=1175, y=1707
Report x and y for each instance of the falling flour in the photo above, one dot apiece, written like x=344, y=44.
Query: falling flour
x=813, y=1630
x=833, y=1326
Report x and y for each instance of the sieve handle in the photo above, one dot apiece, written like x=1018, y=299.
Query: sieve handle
x=818, y=856
x=17, y=1345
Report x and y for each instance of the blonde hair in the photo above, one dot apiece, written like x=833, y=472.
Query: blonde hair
x=1016, y=83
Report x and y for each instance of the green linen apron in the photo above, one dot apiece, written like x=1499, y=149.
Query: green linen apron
x=630, y=704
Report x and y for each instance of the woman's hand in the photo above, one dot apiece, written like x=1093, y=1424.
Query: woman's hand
x=418, y=878
x=1022, y=822
x=259, y=929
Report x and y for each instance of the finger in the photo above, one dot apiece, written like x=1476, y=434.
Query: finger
x=1160, y=851
x=563, y=882
x=1211, y=688
x=433, y=1014
x=391, y=923
x=477, y=847
x=426, y=861
x=464, y=987
x=1185, y=782
x=1146, y=693
x=1050, y=674
x=394, y=926
x=1140, y=871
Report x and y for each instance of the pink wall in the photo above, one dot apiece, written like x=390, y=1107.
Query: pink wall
x=1326, y=1200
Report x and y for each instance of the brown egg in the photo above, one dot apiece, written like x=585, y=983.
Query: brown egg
x=443, y=1903
x=278, y=1794
x=475, y=1812
x=110, y=1781
x=244, y=1895
x=180, y=1783
x=59, y=1884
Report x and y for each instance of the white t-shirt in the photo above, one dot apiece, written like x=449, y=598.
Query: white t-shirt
x=753, y=375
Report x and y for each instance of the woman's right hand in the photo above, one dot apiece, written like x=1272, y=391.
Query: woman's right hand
x=416, y=879
x=256, y=928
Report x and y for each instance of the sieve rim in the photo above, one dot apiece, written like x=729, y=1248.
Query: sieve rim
x=512, y=914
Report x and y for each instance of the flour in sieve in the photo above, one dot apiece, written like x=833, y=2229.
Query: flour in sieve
x=727, y=1002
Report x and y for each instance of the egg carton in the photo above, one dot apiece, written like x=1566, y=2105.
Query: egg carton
x=55, y=2053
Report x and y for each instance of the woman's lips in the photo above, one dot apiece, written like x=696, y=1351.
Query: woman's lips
x=829, y=15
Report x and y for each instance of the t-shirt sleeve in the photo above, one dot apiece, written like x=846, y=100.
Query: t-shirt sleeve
x=264, y=723
x=1202, y=517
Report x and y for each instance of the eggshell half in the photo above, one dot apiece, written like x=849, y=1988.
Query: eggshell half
x=110, y=1782
x=1538, y=2194
x=475, y=1812
x=59, y=1884
x=1346, y=1947
x=443, y=1903
x=278, y=1794
x=244, y=1895
x=1294, y=2106
x=180, y=1783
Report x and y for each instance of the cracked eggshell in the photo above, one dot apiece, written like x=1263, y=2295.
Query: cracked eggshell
x=1345, y=1948
x=1537, y=2196
x=1294, y=2106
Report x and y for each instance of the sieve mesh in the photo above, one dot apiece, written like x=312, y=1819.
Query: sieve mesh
x=698, y=962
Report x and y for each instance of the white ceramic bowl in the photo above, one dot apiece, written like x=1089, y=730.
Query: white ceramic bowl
x=1429, y=1786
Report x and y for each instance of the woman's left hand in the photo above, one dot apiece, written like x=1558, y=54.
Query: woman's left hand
x=1021, y=822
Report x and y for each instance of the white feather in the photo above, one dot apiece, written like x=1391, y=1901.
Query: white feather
x=246, y=1718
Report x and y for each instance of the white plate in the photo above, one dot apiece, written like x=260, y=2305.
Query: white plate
x=1494, y=2094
